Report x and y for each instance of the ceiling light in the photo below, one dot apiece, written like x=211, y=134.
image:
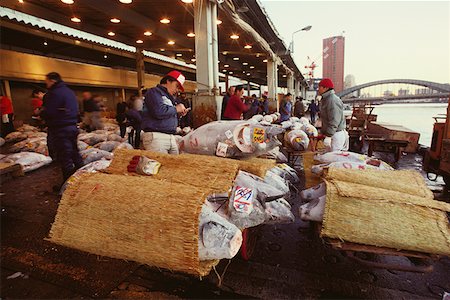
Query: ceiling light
x=105, y=56
x=171, y=42
x=20, y=1
x=226, y=66
x=224, y=52
x=230, y=72
x=179, y=54
x=234, y=36
x=245, y=63
x=193, y=59
x=139, y=41
x=148, y=33
x=115, y=20
x=162, y=49
x=165, y=21
x=248, y=46
x=219, y=22
x=224, y=71
x=45, y=43
x=111, y=33
x=252, y=67
x=248, y=74
x=235, y=58
x=75, y=19
x=258, y=54
x=125, y=1
x=187, y=1
x=191, y=34
x=77, y=42
x=65, y=1
x=265, y=60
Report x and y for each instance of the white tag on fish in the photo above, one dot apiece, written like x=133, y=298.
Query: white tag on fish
x=229, y=134
x=221, y=149
x=243, y=200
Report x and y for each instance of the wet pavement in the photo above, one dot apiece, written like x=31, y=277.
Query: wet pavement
x=290, y=261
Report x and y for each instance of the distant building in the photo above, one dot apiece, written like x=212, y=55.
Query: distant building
x=422, y=91
x=349, y=81
x=403, y=92
x=388, y=93
x=333, y=61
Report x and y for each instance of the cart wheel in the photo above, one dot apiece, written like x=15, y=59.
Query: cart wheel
x=249, y=238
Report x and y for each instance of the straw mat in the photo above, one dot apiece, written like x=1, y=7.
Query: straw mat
x=384, y=217
x=310, y=178
x=142, y=219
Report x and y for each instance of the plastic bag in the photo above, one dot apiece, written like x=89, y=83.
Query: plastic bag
x=124, y=145
x=318, y=169
x=345, y=156
x=16, y=136
x=247, y=198
x=276, y=154
x=278, y=182
x=107, y=146
x=218, y=237
x=89, y=168
x=313, y=210
x=231, y=139
x=310, y=130
x=314, y=192
x=27, y=127
x=297, y=140
x=92, y=138
x=278, y=212
x=82, y=145
x=92, y=154
x=29, y=160
x=115, y=137
x=286, y=172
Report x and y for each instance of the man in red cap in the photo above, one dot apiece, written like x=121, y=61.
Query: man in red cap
x=332, y=116
x=160, y=114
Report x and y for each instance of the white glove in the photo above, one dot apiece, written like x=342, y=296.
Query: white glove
x=327, y=142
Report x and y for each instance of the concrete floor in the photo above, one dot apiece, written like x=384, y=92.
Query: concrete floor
x=289, y=261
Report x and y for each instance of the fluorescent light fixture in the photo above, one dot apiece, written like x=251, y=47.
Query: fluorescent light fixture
x=190, y=34
x=75, y=19
x=234, y=36
x=148, y=33
x=115, y=20
x=164, y=21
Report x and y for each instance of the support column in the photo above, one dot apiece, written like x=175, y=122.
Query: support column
x=298, y=84
x=272, y=81
x=290, y=83
x=227, y=83
x=207, y=102
x=140, y=70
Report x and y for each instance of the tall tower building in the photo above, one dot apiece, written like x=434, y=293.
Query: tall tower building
x=333, y=61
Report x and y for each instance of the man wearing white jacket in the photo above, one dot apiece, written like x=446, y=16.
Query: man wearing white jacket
x=332, y=116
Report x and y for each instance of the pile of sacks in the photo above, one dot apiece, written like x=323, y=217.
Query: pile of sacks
x=252, y=201
x=299, y=132
x=315, y=197
x=29, y=145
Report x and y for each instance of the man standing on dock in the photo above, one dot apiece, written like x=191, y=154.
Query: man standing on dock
x=160, y=114
x=332, y=115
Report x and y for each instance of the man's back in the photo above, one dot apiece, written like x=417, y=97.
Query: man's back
x=61, y=106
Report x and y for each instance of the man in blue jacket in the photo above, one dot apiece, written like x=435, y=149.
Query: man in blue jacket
x=160, y=114
x=60, y=111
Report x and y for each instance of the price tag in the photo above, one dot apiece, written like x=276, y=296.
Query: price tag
x=242, y=201
x=228, y=134
x=258, y=135
x=221, y=149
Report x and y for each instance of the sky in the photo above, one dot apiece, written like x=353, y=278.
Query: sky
x=383, y=39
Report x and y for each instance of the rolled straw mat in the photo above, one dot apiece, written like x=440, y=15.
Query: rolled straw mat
x=372, y=214
x=197, y=170
x=143, y=219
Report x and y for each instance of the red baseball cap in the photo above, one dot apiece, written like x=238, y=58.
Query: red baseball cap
x=326, y=82
x=178, y=77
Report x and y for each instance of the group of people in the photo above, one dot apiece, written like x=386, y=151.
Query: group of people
x=298, y=110
x=236, y=108
x=158, y=115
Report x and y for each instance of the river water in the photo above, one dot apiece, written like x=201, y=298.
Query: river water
x=418, y=117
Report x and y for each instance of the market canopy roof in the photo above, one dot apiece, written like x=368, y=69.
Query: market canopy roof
x=243, y=49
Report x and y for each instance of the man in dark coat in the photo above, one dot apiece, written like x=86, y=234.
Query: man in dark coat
x=60, y=111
